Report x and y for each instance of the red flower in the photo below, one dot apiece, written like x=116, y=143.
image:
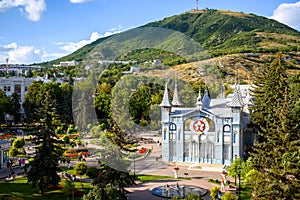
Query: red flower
x=142, y=150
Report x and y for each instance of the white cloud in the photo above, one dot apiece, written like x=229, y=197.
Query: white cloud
x=51, y=56
x=32, y=9
x=73, y=46
x=19, y=54
x=29, y=54
x=79, y=1
x=288, y=14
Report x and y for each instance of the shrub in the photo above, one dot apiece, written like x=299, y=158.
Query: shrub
x=228, y=196
x=214, y=192
x=190, y=196
x=80, y=168
x=108, y=193
x=92, y=172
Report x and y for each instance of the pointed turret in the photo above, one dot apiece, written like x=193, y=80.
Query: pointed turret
x=166, y=100
x=206, y=100
x=176, y=101
x=237, y=100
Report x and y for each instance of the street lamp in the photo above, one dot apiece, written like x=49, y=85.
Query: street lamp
x=235, y=170
x=238, y=171
x=239, y=174
x=134, y=163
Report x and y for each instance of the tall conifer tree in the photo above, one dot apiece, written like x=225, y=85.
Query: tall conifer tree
x=44, y=167
x=276, y=150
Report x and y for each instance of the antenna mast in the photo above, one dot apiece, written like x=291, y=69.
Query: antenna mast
x=196, y=4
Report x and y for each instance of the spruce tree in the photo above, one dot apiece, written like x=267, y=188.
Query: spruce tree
x=44, y=167
x=276, y=150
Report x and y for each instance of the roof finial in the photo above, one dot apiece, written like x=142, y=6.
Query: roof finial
x=199, y=99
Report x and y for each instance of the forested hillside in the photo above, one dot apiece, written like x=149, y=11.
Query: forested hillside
x=205, y=49
x=227, y=32
x=221, y=33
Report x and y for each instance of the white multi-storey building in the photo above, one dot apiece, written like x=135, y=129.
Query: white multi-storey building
x=17, y=85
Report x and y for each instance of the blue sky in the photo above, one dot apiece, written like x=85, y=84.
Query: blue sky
x=43, y=30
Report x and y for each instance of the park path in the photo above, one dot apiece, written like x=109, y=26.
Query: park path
x=153, y=165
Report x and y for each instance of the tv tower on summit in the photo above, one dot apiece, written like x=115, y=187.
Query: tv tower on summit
x=196, y=4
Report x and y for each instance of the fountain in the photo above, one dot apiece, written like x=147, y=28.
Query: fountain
x=181, y=191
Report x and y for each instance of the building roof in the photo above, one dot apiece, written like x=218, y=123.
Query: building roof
x=237, y=100
x=166, y=100
x=176, y=100
x=220, y=107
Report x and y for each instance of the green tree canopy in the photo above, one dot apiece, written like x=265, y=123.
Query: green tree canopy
x=277, y=148
x=44, y=166
x=4, y=105
x=15, y=107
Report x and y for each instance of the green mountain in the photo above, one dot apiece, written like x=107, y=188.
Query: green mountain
x=232, y=37
x=227, y=32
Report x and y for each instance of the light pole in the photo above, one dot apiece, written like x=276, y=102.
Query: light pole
x=238, y=171
x=134, y=162
x=235, y=170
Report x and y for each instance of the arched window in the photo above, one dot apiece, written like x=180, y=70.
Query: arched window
x=226, y=128
x=172, y=131
x=172, y=127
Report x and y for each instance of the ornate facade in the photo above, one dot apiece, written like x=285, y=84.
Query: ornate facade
x=214, y=131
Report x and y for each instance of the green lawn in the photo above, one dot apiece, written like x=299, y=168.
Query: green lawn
x=145, y=178
x=246, y=192
x=19, y=189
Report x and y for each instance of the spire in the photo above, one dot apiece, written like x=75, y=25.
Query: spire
x=166, y=101
x=199, y=100
x=176, y=101
x=206, y=100
x=237, y=100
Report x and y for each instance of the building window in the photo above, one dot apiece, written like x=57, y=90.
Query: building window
x=226, y=152
x=8, y=88
x=172, y=127
x=172, y=131
x=165, y=134
x=234, y=138
x=172, y=135
x=18, y=88
x=226, y=128
x=5, y=88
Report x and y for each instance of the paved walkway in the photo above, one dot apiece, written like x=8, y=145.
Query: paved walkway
x=4, y=172
x=199, y=174
x=152, y=165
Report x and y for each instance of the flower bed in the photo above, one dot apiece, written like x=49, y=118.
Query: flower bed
x=71, y=136
x=6, y=136
x=73, y=153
